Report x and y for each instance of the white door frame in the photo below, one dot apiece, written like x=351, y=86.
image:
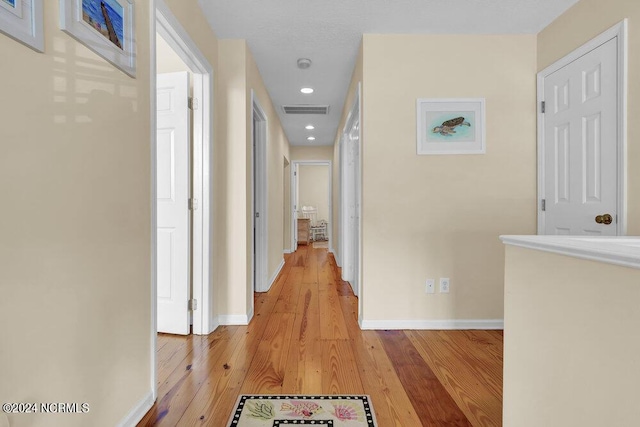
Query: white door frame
x=295, y=196
x=259, y=203
x=345, y=243
x=204, y=319
x=619, y=32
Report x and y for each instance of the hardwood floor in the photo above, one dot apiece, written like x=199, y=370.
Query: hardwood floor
x=304, y=339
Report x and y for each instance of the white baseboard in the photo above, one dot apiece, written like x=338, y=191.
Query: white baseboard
x=138, y=411
x=287, y=251
x=275, y=275
x=488, y=324
x=234, y=319
x=250, y=315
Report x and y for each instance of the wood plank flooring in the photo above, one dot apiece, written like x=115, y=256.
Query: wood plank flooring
x=304, y=339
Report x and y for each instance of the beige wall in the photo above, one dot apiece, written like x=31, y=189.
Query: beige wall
x=75, y=283
x=277, y=149
x=312, y=153
x=578, y=25
x=230, y=159
x=571, y=341
x=238, y=76
x=313, y=188
x=167, y=60
x=440, y=216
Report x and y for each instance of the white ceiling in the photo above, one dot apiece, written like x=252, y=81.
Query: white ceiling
x=329, y=32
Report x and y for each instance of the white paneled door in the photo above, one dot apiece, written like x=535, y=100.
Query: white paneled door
x=172, y=202
x=580, y=145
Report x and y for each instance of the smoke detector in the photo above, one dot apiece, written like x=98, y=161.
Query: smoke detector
x=304, y=63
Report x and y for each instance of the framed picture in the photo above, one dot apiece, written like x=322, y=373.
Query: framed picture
x=451, y=126
x=22, y=21
x=105, y=26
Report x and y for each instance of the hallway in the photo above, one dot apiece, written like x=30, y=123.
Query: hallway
x=304, y=339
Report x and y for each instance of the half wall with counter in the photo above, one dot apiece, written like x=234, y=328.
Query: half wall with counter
x=572, y=331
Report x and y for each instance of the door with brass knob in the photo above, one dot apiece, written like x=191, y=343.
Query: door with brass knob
x=605, y=219
x=579, y=145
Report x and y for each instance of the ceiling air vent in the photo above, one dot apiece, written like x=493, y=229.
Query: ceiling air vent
x=306, y=109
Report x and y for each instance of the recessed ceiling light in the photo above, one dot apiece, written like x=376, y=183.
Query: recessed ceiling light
x=311, y=138
x=309, y=127
x=306, y=90
x=304, y=63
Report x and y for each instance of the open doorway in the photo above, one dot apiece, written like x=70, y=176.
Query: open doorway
x=311, y=203
x=351, y=201
x=259, y=195
x=181, y=166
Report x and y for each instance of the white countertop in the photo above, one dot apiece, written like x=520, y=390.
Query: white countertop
x=623, y=251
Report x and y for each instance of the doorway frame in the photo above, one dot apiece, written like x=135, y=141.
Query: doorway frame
x=204, y=320
x=259, y=199
x=345, y=243
x=295, y=195
x=619, y=32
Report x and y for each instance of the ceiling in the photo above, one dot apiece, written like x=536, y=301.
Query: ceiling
x=329, y=32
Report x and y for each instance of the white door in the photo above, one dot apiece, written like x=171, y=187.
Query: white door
x=295, y=197
x=580, y=145
x=354, y=204
x=173, y=197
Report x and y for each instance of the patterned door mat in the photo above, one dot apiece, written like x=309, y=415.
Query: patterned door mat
x=284, y=410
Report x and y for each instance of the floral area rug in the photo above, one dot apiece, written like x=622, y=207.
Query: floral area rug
x=283, y=410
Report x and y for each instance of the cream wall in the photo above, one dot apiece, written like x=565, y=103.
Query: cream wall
x=238, y=77
x=571, y=341
x=167, y=61
x=75, y=272
x=585, y=20
x=230, y=158
x=323, y=152
x=440, y=216
x=277, y=149
x=313, y=188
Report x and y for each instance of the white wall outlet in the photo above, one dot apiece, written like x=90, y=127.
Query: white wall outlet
x=444, y=285
x=431, y=286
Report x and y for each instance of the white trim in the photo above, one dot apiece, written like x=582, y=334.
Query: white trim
x=287, y=251
x=260, y=197
x=154, y=214
x=294, y=200
x=179, y=40
x=624, y=251
x=275, y=275
x=462, y=324
x=138, y=411
x=235, y=319
x=618, y=31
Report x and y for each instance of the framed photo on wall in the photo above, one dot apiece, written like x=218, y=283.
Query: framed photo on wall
x=451, y=126
x=22, y=20
x=105, y=26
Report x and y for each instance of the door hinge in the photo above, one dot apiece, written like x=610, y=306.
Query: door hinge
x=193, y=204
x=295, y=174
x=257, y=214
x=193, y=304
x=543, y=107
x=193, y=103
x=543, y=205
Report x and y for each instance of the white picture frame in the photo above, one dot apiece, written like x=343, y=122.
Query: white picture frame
x=107, y=27
x=22, y=20
x=450, y=126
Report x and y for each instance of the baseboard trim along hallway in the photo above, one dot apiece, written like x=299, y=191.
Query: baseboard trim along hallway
x=430, y=325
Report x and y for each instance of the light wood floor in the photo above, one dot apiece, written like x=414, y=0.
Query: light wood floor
x=304, y=339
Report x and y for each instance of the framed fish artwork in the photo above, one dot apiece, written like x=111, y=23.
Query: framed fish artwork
x=105, y=26
x=22, y=20
x=451, y=126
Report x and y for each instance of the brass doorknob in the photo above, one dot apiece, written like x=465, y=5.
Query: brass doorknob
x=604, y=219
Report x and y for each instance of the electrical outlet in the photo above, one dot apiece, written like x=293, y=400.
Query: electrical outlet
x=444, y=285
x=431, y=286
